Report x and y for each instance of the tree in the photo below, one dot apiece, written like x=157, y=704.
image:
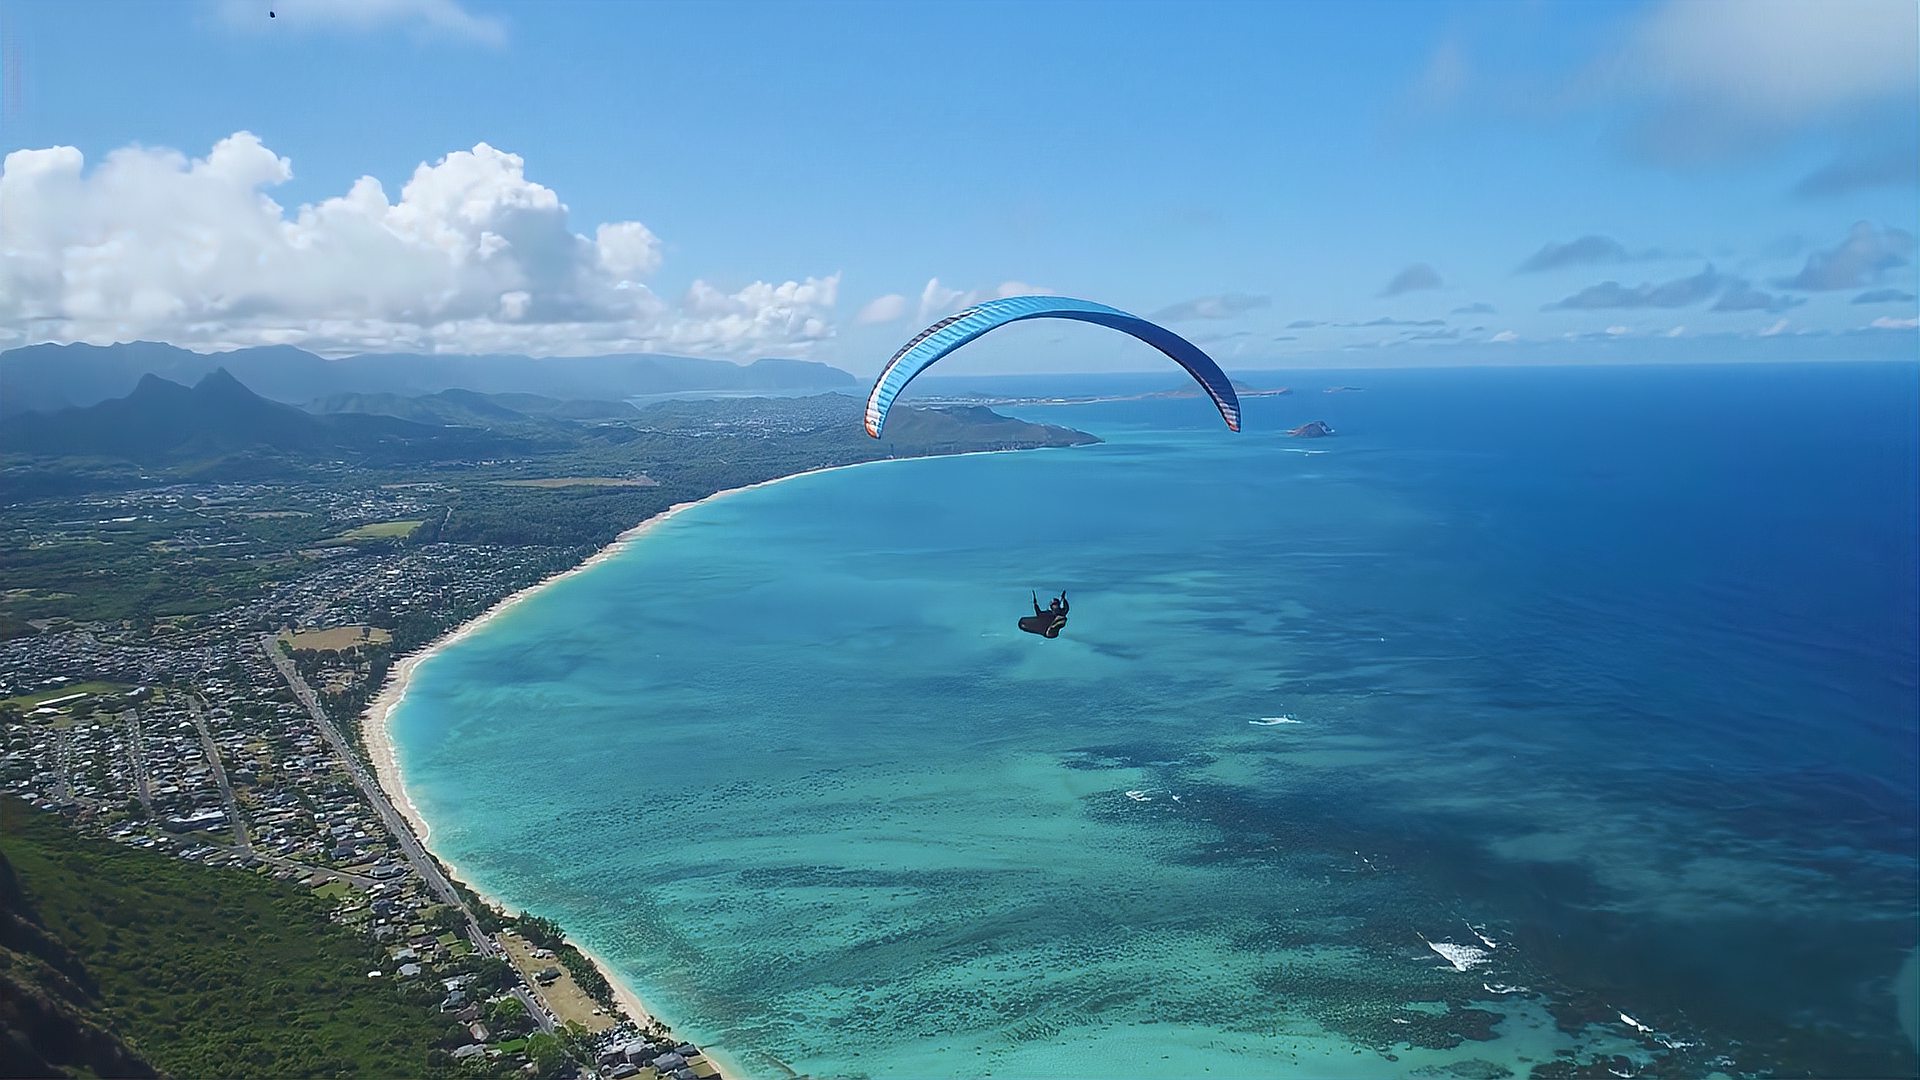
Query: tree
x=548, y=1056
x=508, y=1014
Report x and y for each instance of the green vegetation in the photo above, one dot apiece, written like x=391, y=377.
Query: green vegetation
x=34, y=700
x=52, y=1022
x=380, y=530
x=580, y=481
x=546, y=934
x=96, y=537
x=215, y=972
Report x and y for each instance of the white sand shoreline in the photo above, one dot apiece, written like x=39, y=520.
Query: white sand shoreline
x=378, y=741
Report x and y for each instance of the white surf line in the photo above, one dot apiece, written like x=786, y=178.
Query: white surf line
x=1462, y=957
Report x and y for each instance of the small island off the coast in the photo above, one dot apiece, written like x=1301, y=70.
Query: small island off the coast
x=245, y=703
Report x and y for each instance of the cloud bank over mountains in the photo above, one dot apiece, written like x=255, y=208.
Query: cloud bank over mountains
x=472, y=256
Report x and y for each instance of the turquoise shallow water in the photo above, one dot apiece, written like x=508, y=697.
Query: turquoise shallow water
x=1606, y=695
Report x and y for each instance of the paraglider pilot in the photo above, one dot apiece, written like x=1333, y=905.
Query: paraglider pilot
x=1050, y=622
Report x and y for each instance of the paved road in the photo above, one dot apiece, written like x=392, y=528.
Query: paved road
x=534, y=1008
x=370, y=789
x=137, y=755
x=240, y=837
x=62, y=792
x=396, y=824
x=359, y=880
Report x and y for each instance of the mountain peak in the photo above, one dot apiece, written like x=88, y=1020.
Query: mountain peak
x=221, y=381
x=153, y=386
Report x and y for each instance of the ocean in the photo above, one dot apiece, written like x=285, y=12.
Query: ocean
x=1541, y=721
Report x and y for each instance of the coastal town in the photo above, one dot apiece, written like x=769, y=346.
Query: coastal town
x=197, y=656
x=230, y=739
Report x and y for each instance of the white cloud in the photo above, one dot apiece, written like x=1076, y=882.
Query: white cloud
x=628, y=249
x=1779, y=327
x=1782, y=58
x=1504, y=336
x=1720, y=77
x=882, y=309
x=1676, y=331
x=472, y=256
x=1887, y=322
x=938, y=301
x=444, y=18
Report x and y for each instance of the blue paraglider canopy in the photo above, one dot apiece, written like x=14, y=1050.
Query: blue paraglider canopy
x=961, y=327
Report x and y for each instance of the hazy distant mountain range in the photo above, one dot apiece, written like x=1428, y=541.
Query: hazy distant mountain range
x=46, y=377
x=162, y=424
x=163, y=421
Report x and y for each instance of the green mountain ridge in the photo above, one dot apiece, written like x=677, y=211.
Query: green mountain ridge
x=186, y=969
x=55, y=376
x=52, y=1021
x=460, y=406
x=164, y=422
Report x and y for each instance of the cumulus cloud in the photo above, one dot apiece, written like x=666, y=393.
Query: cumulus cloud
x=1389, y=321
x=938, y=301
x=1719, y=79
x=1223, y=306
x=1886, y=323
x=1896, y=166
x=1413, y=278
x=1669, y=294
x=1478, y=308
x=471, y=257
x=882, y=309
x=1741, y=296
x=1860, y=259
x=1590, y=250
x=439, y=18
x=1505, y=336
x=1885, y=296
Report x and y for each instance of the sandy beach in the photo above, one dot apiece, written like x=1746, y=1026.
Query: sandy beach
x=374, y=726
x=374, y=722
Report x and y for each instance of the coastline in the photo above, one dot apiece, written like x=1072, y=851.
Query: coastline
x=376, y=736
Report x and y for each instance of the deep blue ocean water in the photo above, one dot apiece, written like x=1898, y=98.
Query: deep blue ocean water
x=1541, y=719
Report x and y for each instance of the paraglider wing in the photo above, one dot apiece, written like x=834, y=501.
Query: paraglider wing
x=961, y=327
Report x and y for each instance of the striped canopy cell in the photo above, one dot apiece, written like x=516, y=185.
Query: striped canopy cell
x=961, y=327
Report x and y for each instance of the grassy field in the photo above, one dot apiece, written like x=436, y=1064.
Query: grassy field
x=583, y=481
x=26, y=702
x=215, y=972
x=379, y=530
x=337, y=637
x=564, y=997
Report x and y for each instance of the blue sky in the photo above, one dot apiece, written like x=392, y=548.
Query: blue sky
x=1263, y=173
